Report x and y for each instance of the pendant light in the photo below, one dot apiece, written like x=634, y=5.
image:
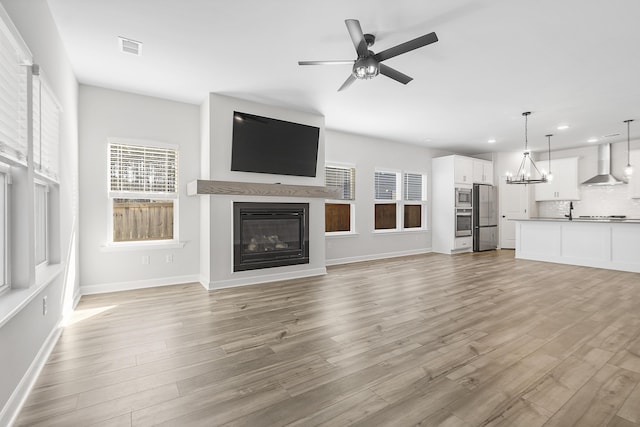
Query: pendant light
x=527, y=166
x=549, y=174
x=628, y=171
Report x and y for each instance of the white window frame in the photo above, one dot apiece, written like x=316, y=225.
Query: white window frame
x=142, y=195
x=395, y=199
x=350, y=202
x=5, y=237
x=45, y=223
x=422, y=202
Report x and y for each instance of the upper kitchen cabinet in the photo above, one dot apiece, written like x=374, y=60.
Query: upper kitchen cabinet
x=634, y=182
x=482, y=172
x=463, y=170
x=564, y=185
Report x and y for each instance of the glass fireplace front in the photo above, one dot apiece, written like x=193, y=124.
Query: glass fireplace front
x=270, y=235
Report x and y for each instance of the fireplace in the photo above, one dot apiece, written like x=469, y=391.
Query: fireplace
x=270, y=235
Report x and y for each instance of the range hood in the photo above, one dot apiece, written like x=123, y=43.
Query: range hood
x=604, y=176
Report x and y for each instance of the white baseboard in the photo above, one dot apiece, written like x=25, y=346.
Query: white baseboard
x=204, y=281
x=76, y=298
x=253, y=280
x=372, y=257
x=137, y=284
x=19, y=396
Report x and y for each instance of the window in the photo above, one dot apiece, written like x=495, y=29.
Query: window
x=46, y=132
x=143, y=187
x=414, y=196
x=339, y=214
x=397, y=198
x=386, y=188
x=4, y=218
x=13, y=86
x=41, y=222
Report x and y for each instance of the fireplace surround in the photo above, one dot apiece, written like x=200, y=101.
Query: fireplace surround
x=269, y=235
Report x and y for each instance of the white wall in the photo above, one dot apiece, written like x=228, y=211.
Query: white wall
x=104, y=114
x=28, y=331
x=367, y=154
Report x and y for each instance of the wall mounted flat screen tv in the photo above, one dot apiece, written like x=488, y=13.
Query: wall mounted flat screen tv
x=265, y=145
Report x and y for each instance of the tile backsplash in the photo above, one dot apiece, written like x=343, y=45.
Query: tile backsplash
x=594, y=201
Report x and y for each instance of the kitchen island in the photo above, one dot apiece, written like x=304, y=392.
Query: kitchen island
x=601, y=243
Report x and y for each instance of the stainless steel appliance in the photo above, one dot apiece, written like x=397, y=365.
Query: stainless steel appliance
x=464, y=197
x=464, y=222
x=485, y=218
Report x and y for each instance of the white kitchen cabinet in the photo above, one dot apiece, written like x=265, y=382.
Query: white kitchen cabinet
x=634, y=182
x=564, y=185
x=463, y=242
x=463, y=170
x=482, y=172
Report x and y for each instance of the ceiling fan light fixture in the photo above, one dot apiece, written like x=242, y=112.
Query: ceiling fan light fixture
x=365, y=68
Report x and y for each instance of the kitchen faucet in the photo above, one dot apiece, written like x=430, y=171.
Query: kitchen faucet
x=570, y=209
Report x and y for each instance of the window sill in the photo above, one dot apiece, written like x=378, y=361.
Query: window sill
x=138, y=246
x=342, y=234
x=396, y=231
x=14, y=300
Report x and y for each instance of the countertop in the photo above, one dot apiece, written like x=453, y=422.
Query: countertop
x=609, y=220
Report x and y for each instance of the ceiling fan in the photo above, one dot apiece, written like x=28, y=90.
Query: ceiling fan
x=369, y=64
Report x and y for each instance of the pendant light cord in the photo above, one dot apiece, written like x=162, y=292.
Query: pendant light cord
x=628, y=143
x=549, y=146
x=526, y=131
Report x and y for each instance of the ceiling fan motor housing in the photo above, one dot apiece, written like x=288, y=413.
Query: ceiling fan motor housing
x=369, y=39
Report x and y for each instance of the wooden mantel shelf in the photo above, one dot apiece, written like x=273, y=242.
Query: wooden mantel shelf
x=201, y=186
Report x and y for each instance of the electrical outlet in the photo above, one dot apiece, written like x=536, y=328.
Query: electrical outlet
x=44, y=306
x=145, y=259
x=169, y=258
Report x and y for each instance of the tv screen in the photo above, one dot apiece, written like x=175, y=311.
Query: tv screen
x=265, y=145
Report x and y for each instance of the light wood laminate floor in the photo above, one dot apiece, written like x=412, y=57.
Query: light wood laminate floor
x=467, y=340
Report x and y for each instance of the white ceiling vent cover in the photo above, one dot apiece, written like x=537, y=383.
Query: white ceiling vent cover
x=130, y=46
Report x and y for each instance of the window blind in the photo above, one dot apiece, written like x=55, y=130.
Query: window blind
x=13, y=92
x=49, y=132
x=143, y=169
x=385, y=185
x=413, y=187
x=342, y=178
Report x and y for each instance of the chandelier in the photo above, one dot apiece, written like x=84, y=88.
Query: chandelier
x=528, y=172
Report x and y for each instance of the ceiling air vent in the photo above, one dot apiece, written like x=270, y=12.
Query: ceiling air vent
x=130, y=46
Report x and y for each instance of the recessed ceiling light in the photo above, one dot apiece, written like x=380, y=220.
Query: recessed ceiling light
x=130, y=46
x=563, y=127
x=592, y=140
x=491, y=141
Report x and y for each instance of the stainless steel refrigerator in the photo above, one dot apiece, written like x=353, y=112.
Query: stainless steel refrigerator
x=485, y=218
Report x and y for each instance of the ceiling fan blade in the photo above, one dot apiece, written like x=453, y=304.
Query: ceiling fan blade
x=355, y=31
x=406, y=46
x=338, y=62
x=395, y=74
x=347, y=82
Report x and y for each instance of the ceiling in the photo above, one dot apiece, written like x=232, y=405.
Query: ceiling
x=571, y=62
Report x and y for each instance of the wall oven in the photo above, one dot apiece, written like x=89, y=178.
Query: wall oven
x=463, y=197
x=463, y=222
